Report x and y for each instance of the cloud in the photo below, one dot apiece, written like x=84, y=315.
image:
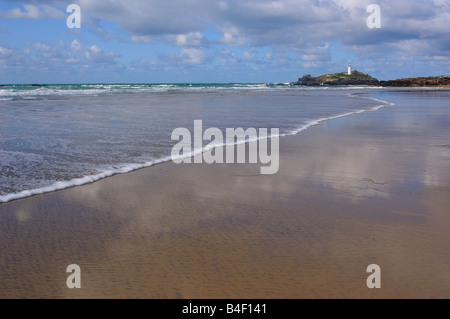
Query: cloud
x=232, y=37
x=189, y=39
x=5, y=52
x=14, y=60
x=296, y=31
x=56, y=58
x=90, y=54
x=152, y=17
x=256, y=22
x=33, y=12
x=193, y=56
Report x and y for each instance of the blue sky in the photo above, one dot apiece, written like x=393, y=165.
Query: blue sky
x=158, y=41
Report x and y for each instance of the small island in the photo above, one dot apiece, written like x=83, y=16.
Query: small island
x=355, y=78
x=358, y=78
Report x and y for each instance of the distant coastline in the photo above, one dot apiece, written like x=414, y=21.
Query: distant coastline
x=358, y=78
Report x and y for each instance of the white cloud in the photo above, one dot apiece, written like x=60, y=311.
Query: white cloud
x=34, y=12
x=52, y=12
x=5, y=52
x=40, y=47
x=232, y=37
x=93, y=54
x=31, y=12
x=75, y=45
x=189, y=39
x=193, y=56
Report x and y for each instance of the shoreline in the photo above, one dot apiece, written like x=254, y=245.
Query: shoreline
x=350, y=192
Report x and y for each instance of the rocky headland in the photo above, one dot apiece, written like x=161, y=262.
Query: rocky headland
x=443, y=80
x=358, y=78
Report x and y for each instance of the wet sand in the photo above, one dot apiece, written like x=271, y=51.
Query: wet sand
x=367, y=189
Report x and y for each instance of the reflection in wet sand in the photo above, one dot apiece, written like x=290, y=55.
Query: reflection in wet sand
x=370, y=188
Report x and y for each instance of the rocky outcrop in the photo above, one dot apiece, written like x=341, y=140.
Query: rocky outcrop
x=443, y=80
x=356, y=78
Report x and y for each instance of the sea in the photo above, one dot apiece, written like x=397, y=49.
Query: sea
x=58, y=136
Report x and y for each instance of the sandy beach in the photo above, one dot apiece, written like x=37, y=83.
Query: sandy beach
x=370, y=188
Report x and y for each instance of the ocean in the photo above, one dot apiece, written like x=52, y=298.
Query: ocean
x=58, y=136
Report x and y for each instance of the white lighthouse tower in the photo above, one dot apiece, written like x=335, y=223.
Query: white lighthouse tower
x=349, y=72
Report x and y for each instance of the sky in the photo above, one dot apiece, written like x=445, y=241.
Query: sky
x=208, y=41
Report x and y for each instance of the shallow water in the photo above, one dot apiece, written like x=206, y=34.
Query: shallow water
x=57, y=136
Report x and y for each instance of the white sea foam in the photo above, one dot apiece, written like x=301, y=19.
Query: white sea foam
x=21, y=92
x=79, y=181
x=318, y=121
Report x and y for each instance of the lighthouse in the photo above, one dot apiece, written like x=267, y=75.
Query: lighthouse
x=349, y=72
